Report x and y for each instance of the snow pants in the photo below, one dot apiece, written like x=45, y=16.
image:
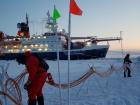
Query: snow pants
x=35, y=88
x=128, y=72
x=127, y=69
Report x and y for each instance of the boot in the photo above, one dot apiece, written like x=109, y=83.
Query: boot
x=129, y=73
x=124, y=74
x=32, y=102
x=40, y=100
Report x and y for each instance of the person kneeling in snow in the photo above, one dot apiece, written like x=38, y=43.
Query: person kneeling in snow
x=36, y=79
x=127, y=63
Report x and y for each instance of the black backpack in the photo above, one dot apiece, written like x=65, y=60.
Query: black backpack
x=43, y=63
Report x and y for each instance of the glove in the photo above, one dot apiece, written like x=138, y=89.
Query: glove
x=51, y=82
x=26, y=85
x=50, y=79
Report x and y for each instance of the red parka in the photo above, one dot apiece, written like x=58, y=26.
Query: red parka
x=37, y=76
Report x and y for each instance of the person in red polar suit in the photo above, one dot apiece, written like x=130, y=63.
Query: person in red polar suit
x=36, y=79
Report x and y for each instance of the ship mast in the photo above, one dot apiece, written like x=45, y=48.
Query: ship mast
x=51, y=25
x=27, y=22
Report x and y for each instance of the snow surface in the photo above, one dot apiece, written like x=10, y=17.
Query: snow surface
x=96, y=90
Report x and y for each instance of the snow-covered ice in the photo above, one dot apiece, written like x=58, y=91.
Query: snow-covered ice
x=96, y=90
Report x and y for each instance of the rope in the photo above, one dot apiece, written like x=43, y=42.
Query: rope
x=85, y=77
x=17, y=98
x=11, y=89
x=75, y=82
x=9, y=97
x=78, y=81
x=16, y=86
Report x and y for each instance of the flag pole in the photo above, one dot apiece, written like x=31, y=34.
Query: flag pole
x=121, y=44
x=58, y=58
x=58, y=66
x=69, y=46
x=74, y=9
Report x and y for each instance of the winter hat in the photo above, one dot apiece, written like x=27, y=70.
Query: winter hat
x=21, y=59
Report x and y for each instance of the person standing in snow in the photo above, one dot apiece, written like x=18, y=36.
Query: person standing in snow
x=36, y=79
x=127, y=63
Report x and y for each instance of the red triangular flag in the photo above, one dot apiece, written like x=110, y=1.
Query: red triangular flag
x=74, y=9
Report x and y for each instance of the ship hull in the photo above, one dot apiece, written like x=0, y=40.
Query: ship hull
x=74, y=54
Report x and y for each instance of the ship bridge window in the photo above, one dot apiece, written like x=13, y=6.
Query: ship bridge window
x=41, y=45
x=36, y=45
x=40, y=49
x=15, y=46
x=32, y=45
x=25, y=46
x=88, y=43
x=44, y=37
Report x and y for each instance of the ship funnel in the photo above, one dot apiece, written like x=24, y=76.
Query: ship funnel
x=23, y=29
